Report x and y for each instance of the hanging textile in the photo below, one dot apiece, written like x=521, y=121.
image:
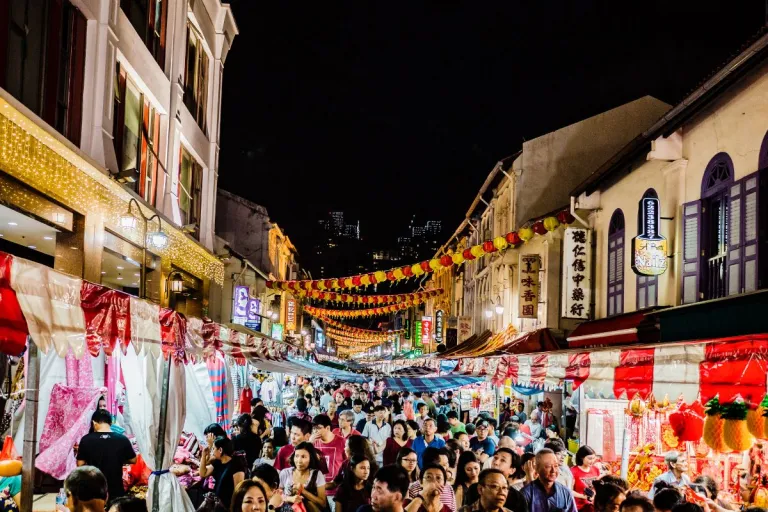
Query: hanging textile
x=67, y=421
x=50, y=301
x=217, y=373
x=13, y=327
x=107, y=318
x=145, y=325
x=201, y=407
x=79, y=371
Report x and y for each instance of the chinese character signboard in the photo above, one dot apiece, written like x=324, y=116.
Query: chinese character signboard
x=530, y=264
x=277, y=331
x=407, y=329
x=240, y=305
x=439, y=319
x=253, y=315
x=465, y=327
x=426, y=330
x=577, y=272
x=290, y=315
x=417, y=334
x=649, y=248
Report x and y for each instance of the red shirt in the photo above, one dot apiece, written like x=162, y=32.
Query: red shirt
x=391, y=449
x=583, y=480
x=283, y=459
x=353, y=432
x=334, y=456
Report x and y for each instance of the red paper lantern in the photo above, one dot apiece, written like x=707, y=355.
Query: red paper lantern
x=425, y=266
x=565, y=217
x=539, y=229
x=468, y=254
x=446, y=261
x=372, y=278
x=315, y=285
x=391, y=275
x=407, y=271
x=343, y=297
x=328, y=283
x=356, y=281
x=488, y=246
x=332, y=296
x=512, y=238
x=321, y=295
x=365, y=299
x=293, y=285
x=269, y=284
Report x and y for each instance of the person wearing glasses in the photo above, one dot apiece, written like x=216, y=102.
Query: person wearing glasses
x=545, y=494
x=493, y=490
x=481, y=444
x=409, y=461
x=433, y=481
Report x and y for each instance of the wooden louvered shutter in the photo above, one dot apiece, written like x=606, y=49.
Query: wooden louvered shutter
x=735, y=240
x=691, y=251
x=751, y=237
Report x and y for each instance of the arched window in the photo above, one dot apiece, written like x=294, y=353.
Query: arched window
x=715, y=194
x=718, y=176
x=616, y=264
x=647, y=286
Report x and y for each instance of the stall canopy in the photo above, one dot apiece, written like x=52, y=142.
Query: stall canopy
x=729, y=368
x=540, y=340
x=429, y=384
x=474, y=346
x=636, y=327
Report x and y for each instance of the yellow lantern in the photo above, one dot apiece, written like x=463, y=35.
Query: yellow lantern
x=551, y=223
x=321, y=285
x=350, y=297
x=417, y=270
x=381, y=276
x=307, y=285
x=398, y=274
x=434, y=264
x=525, y=234
x=457, y=258
x=500, y=243
x=348, y=282
x=365, y=280
x=477, y=251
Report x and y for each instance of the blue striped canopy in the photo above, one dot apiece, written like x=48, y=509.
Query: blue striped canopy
x=430, y=384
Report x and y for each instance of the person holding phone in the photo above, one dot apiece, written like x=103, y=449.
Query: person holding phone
x=584, y=473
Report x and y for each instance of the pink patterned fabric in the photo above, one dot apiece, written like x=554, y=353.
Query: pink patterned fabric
x=79, y=371
x=68, y=420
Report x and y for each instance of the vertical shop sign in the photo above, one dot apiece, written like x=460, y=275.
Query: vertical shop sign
x=417, y=342
x=290, y=315
x=530, y=264
x=465, y=328
x=577, y=273
x=407, y=328
x=253, y=317
x=426, y=330
x=649, y=248
x=240, y=305
x=439, y=326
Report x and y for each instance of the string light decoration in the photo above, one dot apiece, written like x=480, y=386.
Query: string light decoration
x=38, y=159
x=358, y=313
x=367, y=299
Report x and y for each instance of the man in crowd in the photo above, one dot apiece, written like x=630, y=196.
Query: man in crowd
x=422, y=414
x=390, y=487
x=106, y=450
x=346, y=419
x=456, y=425
x=430, y=404
x=463, y=439
x=521, y=416
x=481, y=444
x=377, y=432
x=357, y=409
x=300, y=432
x=301, y=410
x=494, y=491
x=436, y=457
x=326, y=398
x=677, y=467
x=545, y=494
x=369, y=416
x=86, y=490
x=329, y=446
x=429, y=439
x=558, y=447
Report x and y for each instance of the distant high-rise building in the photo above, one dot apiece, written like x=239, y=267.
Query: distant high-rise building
x=336, y=246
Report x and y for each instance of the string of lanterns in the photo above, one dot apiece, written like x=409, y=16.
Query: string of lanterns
x=353, y=341
x=358, y=313
x=512, y=239
x=373, y=299
x=357, y=330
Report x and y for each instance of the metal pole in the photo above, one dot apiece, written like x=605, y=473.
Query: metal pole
x=160, y=448
x=30, y=427
x=143, y=266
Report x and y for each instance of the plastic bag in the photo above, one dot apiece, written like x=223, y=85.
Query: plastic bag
x=298, y=507
x=9, y=450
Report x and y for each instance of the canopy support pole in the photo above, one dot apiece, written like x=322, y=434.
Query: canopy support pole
x=30, y=426
x=160, y=449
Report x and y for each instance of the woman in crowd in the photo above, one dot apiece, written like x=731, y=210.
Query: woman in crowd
x=226, y=469
x=356, y=446
x=333, y=414
x=608, y=496
x=584, y=473
x=249, y=496
x=433, y=479
x=396, y=442
x=467, y=471
x=413, y=429
x=409, y=460
x=303, y=482
x=279, y=438
x=269, y=478
x=397, y=411
x=355, y=491
x=248, y=440
x=264, y=427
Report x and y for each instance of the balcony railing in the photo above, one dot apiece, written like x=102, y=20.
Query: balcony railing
x=716, y=277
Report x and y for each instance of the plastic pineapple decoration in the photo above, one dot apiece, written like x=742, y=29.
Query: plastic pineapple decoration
x=736, y=435
x=756, y=421
x=713, y=426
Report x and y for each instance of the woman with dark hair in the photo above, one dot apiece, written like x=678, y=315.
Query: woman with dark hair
x=584, y=473
x=248, y=440
x=259, y=415
x=356, y=446
x=226, y=469
x=608, y=496
x=303, y=482
x=397, y=409
x=467, y=471
x=636, y=502
x=249, y=496
x=666, y=498
x=409, y=461
x=413, y=429
x=279, y=438
x=398, y=439
x=355, y=491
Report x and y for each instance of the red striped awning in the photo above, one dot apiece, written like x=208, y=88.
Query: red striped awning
x=624, y=329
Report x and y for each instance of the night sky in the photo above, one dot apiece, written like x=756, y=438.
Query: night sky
x=387, y=109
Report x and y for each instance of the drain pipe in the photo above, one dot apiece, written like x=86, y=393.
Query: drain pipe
x=576, y=215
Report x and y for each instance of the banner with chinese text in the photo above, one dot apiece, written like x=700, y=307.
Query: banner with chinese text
x=577, y=272
x=528, y=288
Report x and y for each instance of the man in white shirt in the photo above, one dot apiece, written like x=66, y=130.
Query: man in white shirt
x=677, y=464
x=326, y=398
x=377, y=432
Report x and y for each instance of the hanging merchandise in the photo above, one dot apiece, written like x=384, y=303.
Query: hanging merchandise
x=500, y=243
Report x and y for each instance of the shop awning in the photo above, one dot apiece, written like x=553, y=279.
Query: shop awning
x=413, y=371
x=540, y=340
x=636, y=327
x=471, y=347
x=429, y=384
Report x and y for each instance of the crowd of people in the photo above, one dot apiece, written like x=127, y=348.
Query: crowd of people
x=347, y=448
